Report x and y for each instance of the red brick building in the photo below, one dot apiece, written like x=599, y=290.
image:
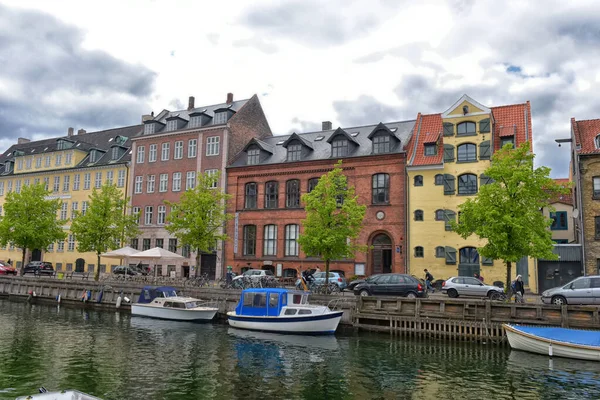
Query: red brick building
x=268, y=177
x=176, y=146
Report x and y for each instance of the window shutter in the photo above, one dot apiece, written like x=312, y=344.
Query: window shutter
x=485, y=180
x=487, y=261
x=448, y=153
x=449, y=184
x=448, y=129
x=484, y=125
x=449, y=216
x=450, y=255
x=485, y=152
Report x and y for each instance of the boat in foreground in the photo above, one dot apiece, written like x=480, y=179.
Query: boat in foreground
x=553, y=341
x=282, y=311
x=164, y=303
x=63, y=395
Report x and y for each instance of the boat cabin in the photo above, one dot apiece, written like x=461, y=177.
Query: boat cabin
x=150, y=293
x=269, y=302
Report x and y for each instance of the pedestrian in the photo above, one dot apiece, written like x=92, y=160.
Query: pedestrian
x=317, y=269
x=428, y=280
x=519, y=289
x=9, y=262
x=476, y=275
x=229, y=275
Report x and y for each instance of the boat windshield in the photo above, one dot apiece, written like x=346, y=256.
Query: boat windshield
x=191, y=304
x=299, y=299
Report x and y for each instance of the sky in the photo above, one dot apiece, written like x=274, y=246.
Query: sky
x=102, y=64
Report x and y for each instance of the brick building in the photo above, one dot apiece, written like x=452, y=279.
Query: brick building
x=174, y=147
x=270, y=175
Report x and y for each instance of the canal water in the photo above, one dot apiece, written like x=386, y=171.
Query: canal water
x=115, y=356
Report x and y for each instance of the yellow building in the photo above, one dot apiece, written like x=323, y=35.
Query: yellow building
x=447, y=157
x=71, y=167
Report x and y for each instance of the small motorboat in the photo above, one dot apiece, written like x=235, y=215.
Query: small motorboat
x=63, y=395
x=282, y=311
x=554, y=341
x=163, y=302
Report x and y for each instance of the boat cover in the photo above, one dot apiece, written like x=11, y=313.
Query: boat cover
x=149, y=293
x=575, y=336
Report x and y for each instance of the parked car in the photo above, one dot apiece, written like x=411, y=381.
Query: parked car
x=39, y=268
x=7, y=269
x=352, y=284
x=468, y=286
x=334, y=277
x=391, y=285
x=582, y=290
x=123, y=269
x=255, y=274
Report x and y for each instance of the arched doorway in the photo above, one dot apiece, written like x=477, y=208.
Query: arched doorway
x=468, y=263
x=382, y=254
x=79, y=265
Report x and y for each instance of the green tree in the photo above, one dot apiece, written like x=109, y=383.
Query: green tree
x=29, y=220
x=508, y=211
x=198, y=219
x=333, y=219
x=105, y=225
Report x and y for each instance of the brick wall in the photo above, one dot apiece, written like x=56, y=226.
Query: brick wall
x=249, y=122
x=591, y=209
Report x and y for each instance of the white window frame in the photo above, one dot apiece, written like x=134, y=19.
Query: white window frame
x=98, y=180
x=110, y=175
x=192, y=148
x=163, y=185
x=176, y=187
x=71, y=243
x=150, y=183
x=141, y=154
x=68, y=158
x=74, y=207
x=211, y=172
x=58, y=160
x=178, y=150
x=60, y=246
x=48, y=160
x=121, y=178
x=56, y=187
x=172, y=125
x=2, y=188
x=134, y=211
x=18, y=186
x=148, y=214
x=165, y=149
x=152, y=151
x=87, y=181
x=66, y=183
x=139, y=182
x=291, y=243
x=38, y=162
x=161, y=217
x=19, y=164
x=212, y=145
x=84, y=206
x=64, y=209
x=9, y=187
x=28, y=163
x=76, y=181
x=149, y=129
x=190, y=180
x=220, y=117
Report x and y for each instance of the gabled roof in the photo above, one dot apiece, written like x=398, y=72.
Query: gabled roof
x=426, y=128
x=295, y=136
x=381, y=127
x=514, y=119
x=338, y=132
x=563, y=198
x=262, y=145
x=585, y=133
x=465, y=97
x=172, y=117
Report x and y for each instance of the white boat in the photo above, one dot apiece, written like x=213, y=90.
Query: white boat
x=553, y=341
x=64, y=395
x=305, y=342
x=282, y=311
x=164, y=303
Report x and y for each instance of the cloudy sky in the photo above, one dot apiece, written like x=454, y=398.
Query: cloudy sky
x=102, y=64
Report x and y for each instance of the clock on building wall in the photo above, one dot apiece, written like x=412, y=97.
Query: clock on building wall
x=380, y=215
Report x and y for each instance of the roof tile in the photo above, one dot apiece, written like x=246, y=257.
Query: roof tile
x=586, y=132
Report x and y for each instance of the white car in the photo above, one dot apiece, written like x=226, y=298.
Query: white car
x=468, y=286
x=255, y=274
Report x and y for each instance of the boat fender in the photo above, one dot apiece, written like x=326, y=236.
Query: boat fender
x=126, y=299
x=88, y=295
x=99, y=298
x=34, y=295
x=58, y=298
x=550, y=350
x=119, y=300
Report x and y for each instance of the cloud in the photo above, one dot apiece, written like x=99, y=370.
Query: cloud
x=213, y=38
x=54, y=83
x=299, y=126
x=366, y=110
x=257, y=42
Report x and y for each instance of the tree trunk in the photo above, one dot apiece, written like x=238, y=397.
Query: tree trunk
x=508, y=274
x=197, y=269
x=23, y=261
x=326, y=273
x=97, y=270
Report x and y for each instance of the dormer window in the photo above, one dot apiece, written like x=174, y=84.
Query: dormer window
x=172, y=125
x=339, y=148
x=63, y=144
x=220, y=117
x=195, y=122
x=430, y=149
x=253, y=156
x=116, y=153
x=93, y=156
x=381, y=144
x=597, y=141
x=148, y=129
x=294, y=152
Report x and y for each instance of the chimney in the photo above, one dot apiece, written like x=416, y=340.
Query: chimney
x=326, y=126
x=146, y=117
x=70, y=132
x=229, y=98
x=22, y=140
x=81, y=132
x=191, y=103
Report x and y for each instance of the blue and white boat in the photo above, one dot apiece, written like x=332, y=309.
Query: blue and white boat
x=282, y=311
x=553, y=341
x=163, y=302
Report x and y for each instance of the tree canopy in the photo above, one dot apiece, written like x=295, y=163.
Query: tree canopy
x=29, y=220
x=105, y=225
x=198, y=219
x=333, y=219
x=508, y=211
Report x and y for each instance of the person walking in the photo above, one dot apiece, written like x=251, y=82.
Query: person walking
x=479, y=277
x=519, y=289
x=428, y=280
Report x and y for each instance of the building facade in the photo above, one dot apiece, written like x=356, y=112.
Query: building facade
x=174, y=147
x=70, y=167
x=561, y=213
x=448, y=155
x=269, y=177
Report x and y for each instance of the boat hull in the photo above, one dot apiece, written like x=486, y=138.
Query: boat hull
x=201, y=314
x=519, y=340
x=310, y=325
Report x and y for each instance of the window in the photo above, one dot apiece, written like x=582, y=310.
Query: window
x=559, y=221
x=271, y=194
x=430, y=149
x=469, y=255
x=138, y=184
x=66, y=183
x=26, y=182
x=135, y=243
x=597, y=141
x=109, y=177
x=253, y=157
x=439, y=215
x=2, y=189
x=18, y=186
x=339, y=148
x=467, y=184
x=190, y=180
x=212, y=145
x=172, y=125
x=145, y=244
x=466, y=152
x=149, y=129
x=220, y=118
x=160, y=243
x=74, y=206
x=440, y=252
x=418, y=215
x=148, y=215
x=292, y=193
x=152, y=151
x=466, y=129
x=419, y=252
x=9, y=188
x=76, y=181
x=596, y=181
x=28, y=163
x=164, y=183
x=136, y=211
x=87, y=178
x=176, y=181
x=186, y=250
x=166, y=149
x=64, y=210
x=291, y=237
x=98, y=180
x=507, y=140
x=250, y=200
x=195, y=122
x=47, y=163
x=84, y=206
x=192, y=147
x=150, y=183
x=162, y=215
x=381, y=144
x=121, y=178
x=71, y=245
x=270, y=240
x=439, y=180
x=294, y=152
x=418, y=180
x=381, y=188
x=20, y=164
x=58, y=161
x=56, y=184
x=38, y=162
x=61, y=245
x=312, y=183
x=211, y=174
x=114, y=154
x=178, y=153
x=141, y=152
x=249, y=240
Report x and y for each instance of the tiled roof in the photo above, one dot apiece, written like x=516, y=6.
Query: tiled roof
x=585, y=135
x=516, y=117
x=563, y=198
x=431, y=137
x=504, y=131
x=426, y=128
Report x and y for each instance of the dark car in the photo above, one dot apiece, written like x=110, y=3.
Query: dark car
x=351, y=285
x=122, y=270
x=39, y=268
x=391, y=285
